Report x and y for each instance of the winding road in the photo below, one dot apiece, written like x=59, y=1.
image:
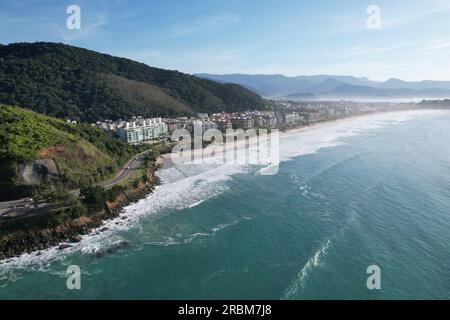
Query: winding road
x=126, y=170
x=122, y=175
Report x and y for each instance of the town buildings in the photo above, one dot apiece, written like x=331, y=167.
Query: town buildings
x=137, y=130
x=142, y=130
x=242, y=122
x=285, y=114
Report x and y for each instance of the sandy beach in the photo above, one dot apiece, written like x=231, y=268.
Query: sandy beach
x=166, y=160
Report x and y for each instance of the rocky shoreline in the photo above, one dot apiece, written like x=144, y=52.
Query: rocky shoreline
x=28, y=241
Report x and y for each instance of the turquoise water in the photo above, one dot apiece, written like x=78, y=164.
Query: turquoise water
x=349, y=195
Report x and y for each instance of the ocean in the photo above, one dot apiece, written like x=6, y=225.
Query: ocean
x=372, y=190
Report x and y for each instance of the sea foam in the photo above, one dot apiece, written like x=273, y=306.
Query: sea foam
x=188, y=185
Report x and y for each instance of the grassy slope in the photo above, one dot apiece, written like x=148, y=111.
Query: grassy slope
x=26, y=135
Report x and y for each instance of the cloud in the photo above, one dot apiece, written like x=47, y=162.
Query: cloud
x=430, y=10
x=214, y=60
x=369, y=50
x=206, y=23
x=86, y=31
x=440, y=44
x=6, y=21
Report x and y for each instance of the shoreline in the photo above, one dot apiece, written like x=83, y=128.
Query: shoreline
x=165, y=160
x=64, y=236
x=71, y=231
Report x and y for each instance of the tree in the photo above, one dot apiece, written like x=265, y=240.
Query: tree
x=136, y=183
x=69, y=82
x=93, y=197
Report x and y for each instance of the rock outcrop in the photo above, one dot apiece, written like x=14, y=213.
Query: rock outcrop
x=37, y=171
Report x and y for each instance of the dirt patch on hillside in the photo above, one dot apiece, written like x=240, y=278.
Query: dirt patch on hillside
x=44, y=153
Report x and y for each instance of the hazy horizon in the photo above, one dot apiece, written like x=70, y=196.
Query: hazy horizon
x=314, y=75
x=247, y=74
x=296, y=37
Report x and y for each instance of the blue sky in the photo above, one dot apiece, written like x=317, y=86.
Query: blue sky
x=250, y=36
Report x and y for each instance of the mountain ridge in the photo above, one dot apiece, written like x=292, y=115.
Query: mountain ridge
x=70, y=82
x=327, y=86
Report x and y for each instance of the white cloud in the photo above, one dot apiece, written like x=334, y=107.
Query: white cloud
x=214, y=60
x=370, y=50
x=429, y=10
x=440, y=44
x=207, y=23
x=86, y=31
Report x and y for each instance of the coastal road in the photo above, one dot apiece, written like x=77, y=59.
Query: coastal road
x=126, y=170
x=122, y=175
x=14, y=203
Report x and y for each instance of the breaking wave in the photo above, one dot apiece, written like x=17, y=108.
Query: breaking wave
x=185, y=239
x=314, y=261
x=190, y=185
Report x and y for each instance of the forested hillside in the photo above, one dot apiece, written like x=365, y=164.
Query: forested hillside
x=69, y=82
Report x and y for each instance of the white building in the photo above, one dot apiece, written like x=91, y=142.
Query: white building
x=142, y=130
x=291, y=118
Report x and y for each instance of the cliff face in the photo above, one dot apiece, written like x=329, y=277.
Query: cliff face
x=36, y=172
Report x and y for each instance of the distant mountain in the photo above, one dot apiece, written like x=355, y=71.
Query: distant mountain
x=347, y=91
x=267, y=85
x=281, y=86
x=69, y=82
x=394, y=83
x=324, y=86
x=301, y=96
x=352, y=91
x=335, y=87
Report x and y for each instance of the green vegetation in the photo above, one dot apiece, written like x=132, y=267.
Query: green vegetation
x=82, y=153
x=65, y=81
x=93, y=197
x=66, y=206
x=114, y=192
x=63, y=210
